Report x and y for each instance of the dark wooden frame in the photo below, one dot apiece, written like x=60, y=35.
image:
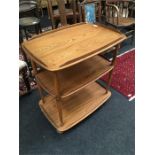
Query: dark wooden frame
x=117, y=7
x=62, y=12
x=82, y=9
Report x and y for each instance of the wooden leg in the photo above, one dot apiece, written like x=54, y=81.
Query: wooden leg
x=37, y=29
x=113, y=64
x=109, y=80
x=58, y=98
x=20, y=35
x=59, y=107
x=80, y=12
x=40, y=28
x=115, y=55
x=41, y=93
x=23, y=53
x=42, y=13
x=48, y=12
x=34, y=67
x=25, y=33
x=60, y=132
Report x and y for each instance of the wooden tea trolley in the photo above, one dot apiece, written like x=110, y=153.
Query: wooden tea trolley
x=70, y=66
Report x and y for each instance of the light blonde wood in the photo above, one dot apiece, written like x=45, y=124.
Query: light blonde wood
x=76, y=107
x=70, y=64
x=74, y=78
x=59, y=110
x=69, y=46
x=58, y=99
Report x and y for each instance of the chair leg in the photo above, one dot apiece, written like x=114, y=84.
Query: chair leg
x=37, y=29
x=25, y=33
x=42, y=13
x=39, y=25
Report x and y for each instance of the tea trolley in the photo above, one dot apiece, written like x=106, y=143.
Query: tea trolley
x=70, y=65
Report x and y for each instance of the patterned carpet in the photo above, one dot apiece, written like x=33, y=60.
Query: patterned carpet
x=123, y=78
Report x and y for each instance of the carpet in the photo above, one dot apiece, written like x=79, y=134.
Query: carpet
x=108, y=131
x=123, y=77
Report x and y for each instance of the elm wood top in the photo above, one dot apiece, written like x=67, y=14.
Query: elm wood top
x=70, y=79
x=62, y=48
x=76, y=107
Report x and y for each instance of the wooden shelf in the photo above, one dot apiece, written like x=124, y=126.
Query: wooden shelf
x=62, y=48
x=69, y=57
x=76, y=77
x=75, y=108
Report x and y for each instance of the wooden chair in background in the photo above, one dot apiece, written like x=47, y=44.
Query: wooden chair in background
x=64, y=12
x=90, y=11
x=120, y=14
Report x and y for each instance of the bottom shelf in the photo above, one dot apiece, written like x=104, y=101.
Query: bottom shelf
x=75, y=108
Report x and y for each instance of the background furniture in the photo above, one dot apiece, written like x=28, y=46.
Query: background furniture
x=67, y=11
x=120, y=14
x=70, y=67
x=27, y=7
x=29, y=17
x=26, y=22
x=90, y=11
x=23, y=74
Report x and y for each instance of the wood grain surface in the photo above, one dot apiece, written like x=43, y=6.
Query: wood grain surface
x=71, y=45
x=76, y=77
x=75, y=108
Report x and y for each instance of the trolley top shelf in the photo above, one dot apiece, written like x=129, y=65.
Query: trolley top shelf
x=64, y=47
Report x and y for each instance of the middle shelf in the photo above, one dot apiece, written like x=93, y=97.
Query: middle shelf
x=74, y=78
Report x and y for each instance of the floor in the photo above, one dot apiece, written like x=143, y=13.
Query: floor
x=108, y=131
